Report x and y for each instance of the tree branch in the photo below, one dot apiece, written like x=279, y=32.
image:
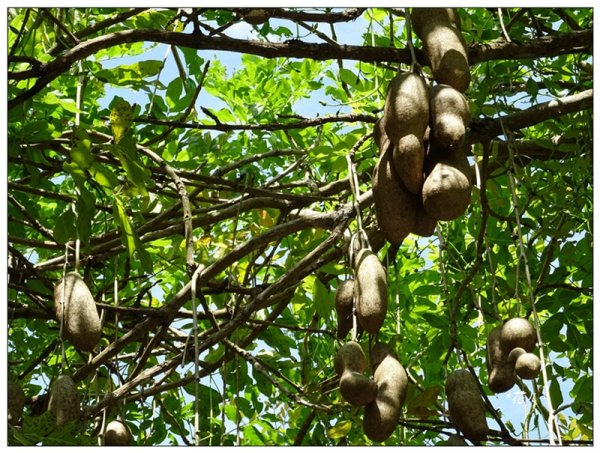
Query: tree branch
x=544, y=46
x=224, y=127
x=488, y=128
x=349, y=14
x=547, y=46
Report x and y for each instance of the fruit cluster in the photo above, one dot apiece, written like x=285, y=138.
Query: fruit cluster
x=509, y=354
x=422, y=174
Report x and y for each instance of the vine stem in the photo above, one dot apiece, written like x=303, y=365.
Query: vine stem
x=553, y=427
x=502, y=25
x=361, y=234
x=196, y=364
x=352, y=178
x=62, y=317
x=79, y=94
x=414, y=63
x=377, y=79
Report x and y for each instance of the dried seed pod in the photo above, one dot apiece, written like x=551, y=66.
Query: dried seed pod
x=382, y=415
x=439, y=29
x=449, y=116
x=518, y=333
x=344, y=295
x=395, y=206
x=64, y=400
x=501, y=373
x=526, y=364
x=406, y=116
x=466, y=406
x=447, y=188
x=15, y=402
x=81, y=322
x=371, y=291
x=117, y=433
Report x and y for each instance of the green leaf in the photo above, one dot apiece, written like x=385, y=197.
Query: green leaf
x=146, y=68
x=436, y=320
x=67, y=434
x=426, y=290
x=556, y=393
x=134, y=75
x=426, y=398
x=103, y=176
x=39, y=426
x=174, y=92
x=80, y=150
x=253, y=436
x=64, y=226
x=121, y=118
x=340, y=429
x=348, y=77
x=323, y=299
x=37, y=130
x=135, y=171
x=86, y=210
x=75, y=170
x=129, y=236
x=66, y=103
x=263, y=384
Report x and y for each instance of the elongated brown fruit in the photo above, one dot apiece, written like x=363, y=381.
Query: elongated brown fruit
x=449, y=116
x=15, y=402
x=382, y=415
x=501, y=372
x=424, y=223
x=456, y=441
x=381, y=139
x=81, y=322
x=344, y=295
x=256, y=16
x=117, y=433
x=64, y=400
x=466, y=406
x=371, y=291
x=349, y=363
x=518, y=333
x=357, y=389
x=447, y=188
x=406, y=116
x=444, y=45
x=395, y=206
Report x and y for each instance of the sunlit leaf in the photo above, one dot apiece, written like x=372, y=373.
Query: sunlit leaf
x=341, y=429
x=121, y=118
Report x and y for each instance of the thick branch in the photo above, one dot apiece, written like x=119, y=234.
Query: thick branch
x=97, y=26
x=544, y=46
x=302, y=124
x=573, y=42
x=488, y=128
x=349, y=14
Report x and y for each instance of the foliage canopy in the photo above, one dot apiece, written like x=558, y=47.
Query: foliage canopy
x=149, y=171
